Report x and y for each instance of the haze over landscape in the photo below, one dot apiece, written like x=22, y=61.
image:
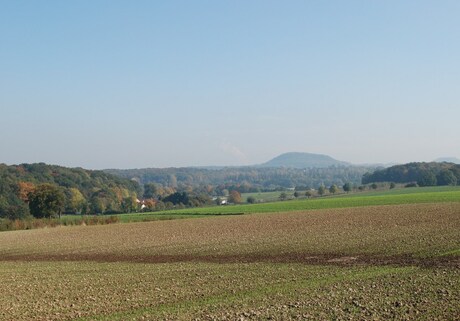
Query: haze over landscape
x=112, y=84
x=229, y=160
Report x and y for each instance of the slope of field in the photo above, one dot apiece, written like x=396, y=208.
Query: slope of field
x=417, y=196
x=378, y=262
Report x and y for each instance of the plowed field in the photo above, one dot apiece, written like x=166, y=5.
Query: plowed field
x=378, y=262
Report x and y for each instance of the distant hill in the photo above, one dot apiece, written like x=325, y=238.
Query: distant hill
x=303, y=160
x=448, y=160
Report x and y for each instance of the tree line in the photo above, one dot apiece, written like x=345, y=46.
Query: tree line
x=422, y=174
x=48, y=190
x=244, y=179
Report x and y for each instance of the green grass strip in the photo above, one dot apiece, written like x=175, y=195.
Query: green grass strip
x=324, y=203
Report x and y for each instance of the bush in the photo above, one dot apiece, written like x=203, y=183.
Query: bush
x=31, y=223
x=411, y=185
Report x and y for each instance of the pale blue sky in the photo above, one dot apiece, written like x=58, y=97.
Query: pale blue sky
x=103, y=84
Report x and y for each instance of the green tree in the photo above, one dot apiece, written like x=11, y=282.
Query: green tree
x=150, y=190
x=427, y=178
x=308, y=194
x=46, y=201
x=97, y=206
x=321, y=190
x=333, y=189
x=374, y=186
x=447, y=177
x=160, y=206
x=296, y=194
x=76, y=200
x=392, y=185
x=283, y=196
x=129, y=204
x=347, y=187
x=13, y=208
x=251, y=200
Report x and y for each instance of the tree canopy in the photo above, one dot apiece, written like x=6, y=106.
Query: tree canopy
x=46, y=201
x=84, y=191
x=424, y=174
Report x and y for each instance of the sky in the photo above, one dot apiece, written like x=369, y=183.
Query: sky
x=131, y=84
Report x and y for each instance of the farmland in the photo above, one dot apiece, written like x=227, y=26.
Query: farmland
x=367, y=262
x=391, y=197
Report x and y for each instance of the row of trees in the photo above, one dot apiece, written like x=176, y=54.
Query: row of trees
x=243, y=179
x=48, y=191
x=24, y=187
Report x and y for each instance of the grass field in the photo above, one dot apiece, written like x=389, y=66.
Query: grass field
x=267, y=196
x=274, y=196
x=367, y=262
x=391, y=197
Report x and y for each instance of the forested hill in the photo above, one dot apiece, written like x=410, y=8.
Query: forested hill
x=303, y=160
x=84, y=190
x=424, y=174
x=245, y=179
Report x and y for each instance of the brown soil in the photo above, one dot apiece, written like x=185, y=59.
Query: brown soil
x=304, y=258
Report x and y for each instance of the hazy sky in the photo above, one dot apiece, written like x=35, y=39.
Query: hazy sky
x=125, y=84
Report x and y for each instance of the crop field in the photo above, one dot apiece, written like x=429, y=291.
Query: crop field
x=416, y=196
x=375, y=262
x=267, y=196
x=274, y=196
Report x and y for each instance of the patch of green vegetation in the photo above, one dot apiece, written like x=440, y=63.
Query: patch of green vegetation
x=452, y=252
x=268, y=196
x=403, y=191
x=390, y=198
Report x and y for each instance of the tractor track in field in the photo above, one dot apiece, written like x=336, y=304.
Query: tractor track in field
x=302, y=258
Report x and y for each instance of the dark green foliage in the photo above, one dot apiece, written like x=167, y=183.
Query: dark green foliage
x=447, y=177
x=177, y=198
x=150, y=190
x=251, y=200
x=244, y=179
x=81, y=187
x=283, y=196
x=347, y=187
x=321, y=190
x=13, y=208
x=411, y=185
x=187, y=200
x=333, y=189
x=47, y=201
x=427, y=178
x=425, y=174
x=129, y=204
x=392, y=185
